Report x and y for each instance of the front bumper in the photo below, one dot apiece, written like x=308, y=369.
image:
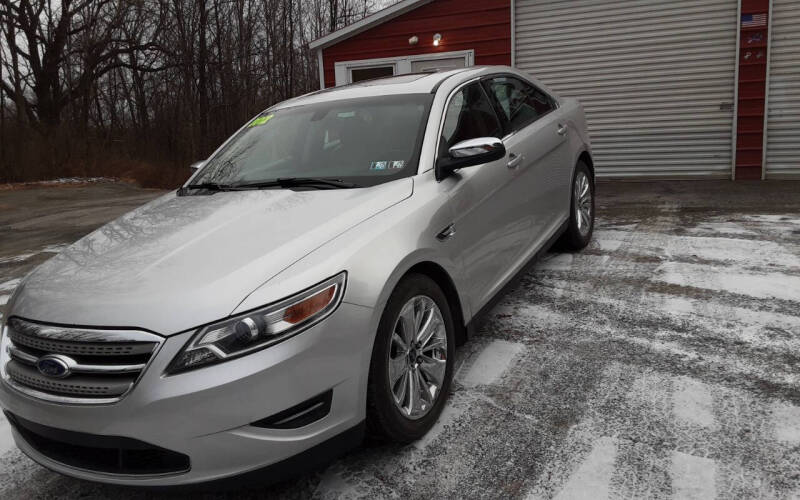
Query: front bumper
x=206, y=414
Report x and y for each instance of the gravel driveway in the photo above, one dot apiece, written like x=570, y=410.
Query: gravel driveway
x=663, y=361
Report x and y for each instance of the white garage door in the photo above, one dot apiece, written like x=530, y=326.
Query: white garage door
x=783, y=119
x=656, y=78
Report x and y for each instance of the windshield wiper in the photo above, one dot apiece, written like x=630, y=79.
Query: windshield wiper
x=211, y=186
x=288, y=182
x=207, y=186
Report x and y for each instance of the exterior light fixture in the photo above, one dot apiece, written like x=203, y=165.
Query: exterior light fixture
x=413, y=40
x=437, y=39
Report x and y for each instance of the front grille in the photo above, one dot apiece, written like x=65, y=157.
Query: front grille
x=91, y=365
x=107, y=454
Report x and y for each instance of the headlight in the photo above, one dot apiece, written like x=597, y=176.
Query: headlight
x=260, y=328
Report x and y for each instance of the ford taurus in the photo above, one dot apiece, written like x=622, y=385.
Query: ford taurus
x=309, y=283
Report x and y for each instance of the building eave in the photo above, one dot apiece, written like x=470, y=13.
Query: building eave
x=368, y=22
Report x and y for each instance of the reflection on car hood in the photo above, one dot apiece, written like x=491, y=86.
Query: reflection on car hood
x=182, y=261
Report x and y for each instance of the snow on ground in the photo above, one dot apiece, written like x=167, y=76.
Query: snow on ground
x=61, y=181
x=758, y=285
x=661, y=362
x=10, y=285
x=6, y=441
x=16, y=258
x=490, y=364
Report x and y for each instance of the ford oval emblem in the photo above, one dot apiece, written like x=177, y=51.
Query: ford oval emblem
x=54, y=366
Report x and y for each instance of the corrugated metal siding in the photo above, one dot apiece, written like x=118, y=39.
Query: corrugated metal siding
x=656, y=78
x=783, y=120
x=480, y=25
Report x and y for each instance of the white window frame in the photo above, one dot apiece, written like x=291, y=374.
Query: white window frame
x=401, y=65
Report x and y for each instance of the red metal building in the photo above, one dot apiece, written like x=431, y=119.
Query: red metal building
x=675, y=88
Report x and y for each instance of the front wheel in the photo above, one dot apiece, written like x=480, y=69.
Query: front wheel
x=412, y=361
x=581, y=216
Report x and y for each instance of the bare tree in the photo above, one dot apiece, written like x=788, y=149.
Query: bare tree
x=140, y=87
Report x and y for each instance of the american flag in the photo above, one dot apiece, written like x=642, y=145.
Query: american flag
x=753, y=20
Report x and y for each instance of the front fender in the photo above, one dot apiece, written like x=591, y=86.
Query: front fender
x=376, y=254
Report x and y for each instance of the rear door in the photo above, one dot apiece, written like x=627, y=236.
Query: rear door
x=492, y=224
x=536, y=138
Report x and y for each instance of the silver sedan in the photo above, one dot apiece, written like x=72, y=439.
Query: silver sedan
x=309, y=283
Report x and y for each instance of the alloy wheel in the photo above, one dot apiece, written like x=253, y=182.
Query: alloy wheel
x=417, y=357
x=583, y=202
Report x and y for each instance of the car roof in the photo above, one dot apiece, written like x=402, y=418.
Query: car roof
x=414, y=83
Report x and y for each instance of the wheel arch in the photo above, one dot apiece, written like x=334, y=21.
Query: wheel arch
x=438, y=274
x=586, y=158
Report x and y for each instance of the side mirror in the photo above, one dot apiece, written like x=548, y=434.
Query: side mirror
x=470, y=153
x=194, y=167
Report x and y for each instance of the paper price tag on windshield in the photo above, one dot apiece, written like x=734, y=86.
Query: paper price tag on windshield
x=261, y=120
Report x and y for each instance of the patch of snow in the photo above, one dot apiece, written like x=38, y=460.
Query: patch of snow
x=6, y=440
x=740, y=251
x=756, y=327
x=592, y=480
x=4, y=299
x=10, y=285
x=620, y=227
x=333, y=484
x=693, y=403
x=764, y=286
x=16, y=258
x=779, y=224
x=786, y=419
x=538, y=315
x=781, y=218
x=79, y=180
x=491, y=363
x=451, y=411
x=58, y=247
x=693, y=477
x=607, y=244
x=750, y=252
x=558, y=262
x=721, y=228
x=678, y=305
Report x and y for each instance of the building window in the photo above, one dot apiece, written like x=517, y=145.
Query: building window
x=361, y=74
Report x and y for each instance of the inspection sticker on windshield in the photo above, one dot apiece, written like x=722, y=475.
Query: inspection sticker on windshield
x=379, y=165
x=261, y=120
x=387, y=165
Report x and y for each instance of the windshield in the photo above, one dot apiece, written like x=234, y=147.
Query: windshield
x=364, y=141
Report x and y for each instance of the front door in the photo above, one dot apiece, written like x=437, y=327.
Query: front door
x=492, y=224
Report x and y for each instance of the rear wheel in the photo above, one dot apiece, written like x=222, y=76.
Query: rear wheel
x=581, y=218
x=412, y=361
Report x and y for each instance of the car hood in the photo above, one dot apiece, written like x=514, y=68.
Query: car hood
x=182, y=261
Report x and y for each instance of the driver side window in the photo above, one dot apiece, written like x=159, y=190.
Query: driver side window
x=469, y=115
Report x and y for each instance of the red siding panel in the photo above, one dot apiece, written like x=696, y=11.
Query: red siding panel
x=752, y=82
x=480, y=25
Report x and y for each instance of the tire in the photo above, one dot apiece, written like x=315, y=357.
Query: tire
x=581, y=223
x=404, y=421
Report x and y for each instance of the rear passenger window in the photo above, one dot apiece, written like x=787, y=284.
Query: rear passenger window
x=521, y=103
x=469, y=115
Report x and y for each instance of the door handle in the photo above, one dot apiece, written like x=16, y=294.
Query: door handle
x=562, y=129
x=514, y=160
